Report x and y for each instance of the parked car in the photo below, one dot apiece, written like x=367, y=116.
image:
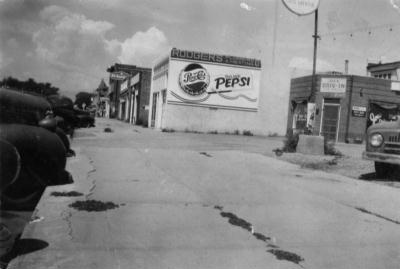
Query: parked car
x=36, y=147
x=85, y=118
x=63, y=109
x=383, y=147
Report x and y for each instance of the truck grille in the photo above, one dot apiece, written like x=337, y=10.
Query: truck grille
x=394, y=138
x=392, y=147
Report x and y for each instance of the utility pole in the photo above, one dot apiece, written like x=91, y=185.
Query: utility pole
x=316, y=37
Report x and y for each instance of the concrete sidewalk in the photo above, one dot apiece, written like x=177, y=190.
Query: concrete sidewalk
x=169, y=187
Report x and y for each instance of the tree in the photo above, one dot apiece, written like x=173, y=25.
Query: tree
x=83, y=99
x=30, y=86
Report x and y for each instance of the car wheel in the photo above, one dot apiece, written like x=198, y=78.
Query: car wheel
x=20, y=196
x=383, y=170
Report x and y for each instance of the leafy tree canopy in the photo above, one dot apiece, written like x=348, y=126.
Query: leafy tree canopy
x=83, y=99
x=30, y=86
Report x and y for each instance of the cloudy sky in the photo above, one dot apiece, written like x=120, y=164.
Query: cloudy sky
x=71, y=43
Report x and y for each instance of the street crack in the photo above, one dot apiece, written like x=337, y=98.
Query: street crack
x=66, y=194
x=93, y=187
x=363, y=210
x=235, y=220
x=205, y=154
x=286, y=255
x=280, y=254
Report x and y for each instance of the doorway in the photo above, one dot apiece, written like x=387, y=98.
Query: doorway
x=330, y=119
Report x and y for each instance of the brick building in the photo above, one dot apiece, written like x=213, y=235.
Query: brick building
x=130, y=93
x=345, y=105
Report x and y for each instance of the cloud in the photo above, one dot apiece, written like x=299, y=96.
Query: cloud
x=395, y=3
x=246, y=7
x=71, y=38
x=143, y=47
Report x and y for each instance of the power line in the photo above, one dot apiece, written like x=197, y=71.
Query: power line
x=361, y=29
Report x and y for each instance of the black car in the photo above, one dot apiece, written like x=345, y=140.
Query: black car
x=33, y=150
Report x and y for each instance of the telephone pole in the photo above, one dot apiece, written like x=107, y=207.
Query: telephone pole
x=316, y=37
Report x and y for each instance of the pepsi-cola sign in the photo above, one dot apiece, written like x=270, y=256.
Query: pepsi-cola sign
x=232, y=82
x=194, y=79
x=211, y=83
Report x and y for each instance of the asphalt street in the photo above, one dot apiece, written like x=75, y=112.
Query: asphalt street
x=183, y=200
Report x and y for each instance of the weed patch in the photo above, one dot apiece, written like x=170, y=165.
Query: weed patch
x=93, y=205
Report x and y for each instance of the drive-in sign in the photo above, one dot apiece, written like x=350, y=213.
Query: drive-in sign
x=301, y=7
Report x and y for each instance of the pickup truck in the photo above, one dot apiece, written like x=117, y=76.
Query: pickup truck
x=383, y=147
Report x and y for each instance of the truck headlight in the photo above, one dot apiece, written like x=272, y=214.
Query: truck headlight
x=376, y=140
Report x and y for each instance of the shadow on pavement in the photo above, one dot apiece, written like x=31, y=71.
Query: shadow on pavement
x=22, y=247
x=372, y=176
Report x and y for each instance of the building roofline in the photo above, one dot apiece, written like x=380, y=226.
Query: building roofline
x=383, y=65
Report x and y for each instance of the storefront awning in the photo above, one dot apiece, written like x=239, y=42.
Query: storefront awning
x=385, y=105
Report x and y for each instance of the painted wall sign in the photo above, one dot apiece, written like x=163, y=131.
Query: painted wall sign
x=359, y=111
x=301, y=7
x=120, y=75
x=333, y=85
x=194, y=79
x=213, y=85
x=214, y=58
x=231, y=82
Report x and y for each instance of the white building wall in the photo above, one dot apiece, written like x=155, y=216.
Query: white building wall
x=158, y=85
x=204, y=119
x=185, y=117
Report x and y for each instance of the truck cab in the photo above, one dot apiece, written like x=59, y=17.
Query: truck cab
x=383, y=146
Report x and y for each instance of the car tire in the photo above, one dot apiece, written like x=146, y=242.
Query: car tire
x=383, y=170
x=21, y=197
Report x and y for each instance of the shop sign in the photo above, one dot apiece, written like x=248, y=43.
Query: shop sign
x=231, y=82
x=124, y=85
x=214, y=58
x=135, y=79
x=301, y=7
x=395, y=86
x=359, y=111
x=120, y=75
x=333, y=85
x=213, y=85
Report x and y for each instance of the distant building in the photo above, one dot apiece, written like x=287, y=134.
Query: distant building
x=390, y=71
x=345, y=105
x=129, y=93
x=101, y=100
x=205, y=92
